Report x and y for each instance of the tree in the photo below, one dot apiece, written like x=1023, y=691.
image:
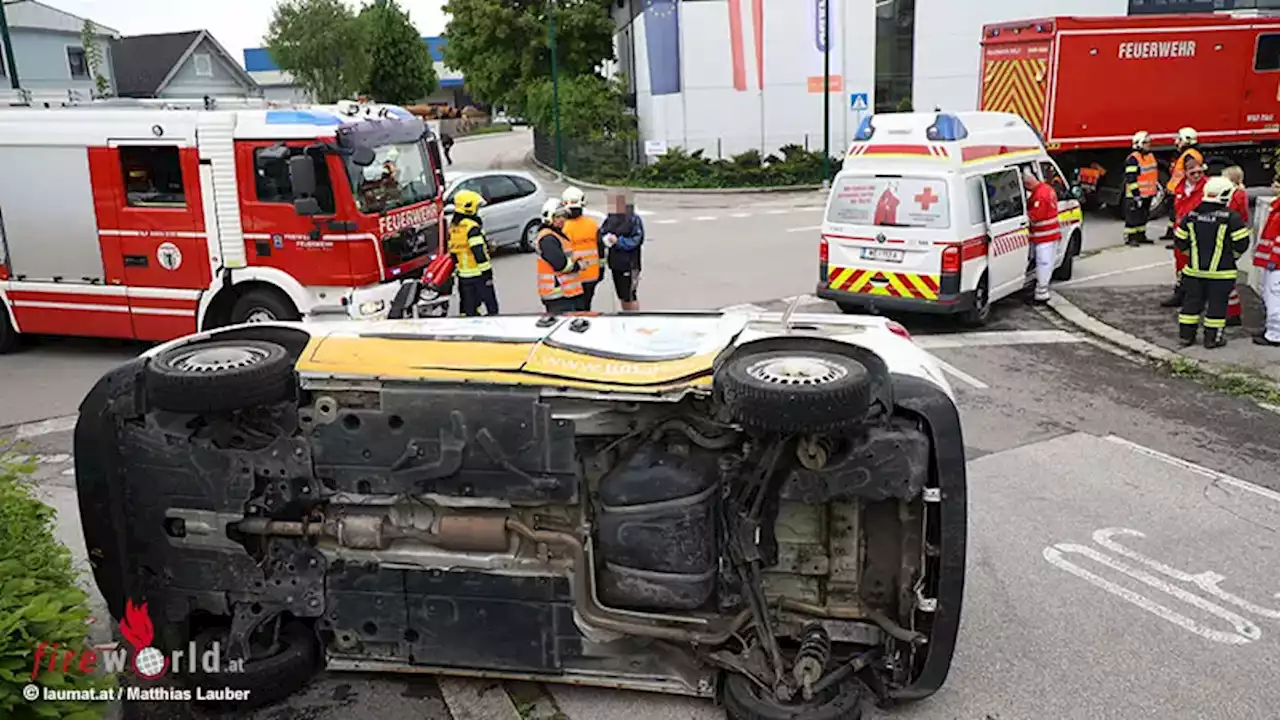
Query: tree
x=93, y=57
x=501, y=46
x=591, y=108
x=401, y=70
x=321, y=45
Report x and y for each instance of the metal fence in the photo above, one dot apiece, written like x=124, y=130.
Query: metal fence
x=588, y=159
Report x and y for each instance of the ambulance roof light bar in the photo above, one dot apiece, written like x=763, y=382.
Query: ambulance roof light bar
x=947, y=128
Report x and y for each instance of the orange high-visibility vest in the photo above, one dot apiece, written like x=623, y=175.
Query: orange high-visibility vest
x=583, y=233
x=1148, y=173
x=554, y=284
x=1179, y=167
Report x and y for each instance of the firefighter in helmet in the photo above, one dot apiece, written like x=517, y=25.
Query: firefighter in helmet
x=584, y=235
x=1214, y=237
x=559, y=286
x=470, y=251
x=1141, y=180
x=1186, y=144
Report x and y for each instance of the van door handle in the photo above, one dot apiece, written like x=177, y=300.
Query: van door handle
x=135, y=260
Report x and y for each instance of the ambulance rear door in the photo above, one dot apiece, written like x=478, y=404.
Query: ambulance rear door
x=883, y=230
x=1008, y=232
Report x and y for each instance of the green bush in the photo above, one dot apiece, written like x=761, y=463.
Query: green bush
x=39, y=602
x=791, y=165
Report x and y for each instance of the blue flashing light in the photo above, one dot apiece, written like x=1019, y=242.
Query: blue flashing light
x=865, y=129
x=301, y=117
x=947, y=128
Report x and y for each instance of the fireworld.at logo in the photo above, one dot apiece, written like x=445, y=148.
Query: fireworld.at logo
x=144, y=660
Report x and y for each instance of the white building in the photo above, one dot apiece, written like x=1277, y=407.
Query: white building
x=726, y=76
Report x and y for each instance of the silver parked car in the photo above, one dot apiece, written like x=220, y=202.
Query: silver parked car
x=513, y=203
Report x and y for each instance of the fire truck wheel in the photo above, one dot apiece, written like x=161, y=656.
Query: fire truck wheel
x=220, y=376
x=8, y=336
x=262, y=306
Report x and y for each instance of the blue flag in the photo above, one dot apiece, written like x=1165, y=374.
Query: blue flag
x=662, y=41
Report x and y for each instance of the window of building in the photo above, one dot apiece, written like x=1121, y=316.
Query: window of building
x=153, y=176
x=273, y=185
x=895, y=53
x=203, y=64
x=77, y=63
x=1267, y=56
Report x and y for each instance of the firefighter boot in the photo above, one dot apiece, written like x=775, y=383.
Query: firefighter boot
x=1174, y=300
x=1214, y=338
x=1187, y=326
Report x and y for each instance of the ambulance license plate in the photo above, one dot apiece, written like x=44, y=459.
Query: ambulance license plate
x=882, y=255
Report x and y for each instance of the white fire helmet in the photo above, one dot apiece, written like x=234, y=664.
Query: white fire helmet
x=1141, y=139
x=573, y=197
x=1188, y=136
x=551, y=209
x=1219, y=190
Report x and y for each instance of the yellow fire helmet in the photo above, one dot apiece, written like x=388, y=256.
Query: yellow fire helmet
x=467, y=202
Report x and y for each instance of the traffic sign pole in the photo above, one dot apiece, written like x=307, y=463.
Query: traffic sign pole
x=826, y=94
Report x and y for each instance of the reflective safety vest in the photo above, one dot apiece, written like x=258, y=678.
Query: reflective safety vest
x=461, y=241
x=1042, y=211
x=584, y=234
x=1180, y=167
x=555, y=284
x=1143, y=169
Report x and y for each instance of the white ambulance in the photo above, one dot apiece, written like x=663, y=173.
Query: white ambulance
x=929, y=214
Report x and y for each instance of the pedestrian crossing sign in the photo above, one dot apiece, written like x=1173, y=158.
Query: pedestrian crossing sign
x=858, y=101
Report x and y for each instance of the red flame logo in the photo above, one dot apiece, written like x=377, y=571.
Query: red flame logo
x=136, y=626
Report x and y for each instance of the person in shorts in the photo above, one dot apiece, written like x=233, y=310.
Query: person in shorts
x=622, y=233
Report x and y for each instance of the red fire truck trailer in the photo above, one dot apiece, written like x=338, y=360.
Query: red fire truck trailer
x=1088, y=84
x=153, y=219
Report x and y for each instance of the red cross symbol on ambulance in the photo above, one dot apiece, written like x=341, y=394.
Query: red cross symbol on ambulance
x=927, y=198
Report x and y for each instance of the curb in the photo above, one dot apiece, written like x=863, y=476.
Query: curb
x=1083, y=320
x=672, y=191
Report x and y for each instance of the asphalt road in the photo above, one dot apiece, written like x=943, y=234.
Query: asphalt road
x=1124, y=524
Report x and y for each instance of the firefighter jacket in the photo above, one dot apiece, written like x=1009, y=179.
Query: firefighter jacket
x=557, y=271
x=1180, y=167
x=1187, y=197
x=1267, y=254
x=1213, y=237
x=468, y=246
x=1141, y=175
x=1042, y=210
x=584, y=236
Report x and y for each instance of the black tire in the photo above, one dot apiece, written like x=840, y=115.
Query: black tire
x=826, y=392
x=525, y=245
x=8, y=336
x=262, y=305
x=269, y=679
x=220, y=376
x=1064, y=271
x=978, y=315
x=743, y=701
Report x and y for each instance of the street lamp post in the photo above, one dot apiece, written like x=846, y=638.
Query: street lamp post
x=8, y=49
x=826, y=94
x=555, y=88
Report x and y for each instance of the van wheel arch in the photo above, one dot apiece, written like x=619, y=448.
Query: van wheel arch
x=9, y=335
x=980, y=313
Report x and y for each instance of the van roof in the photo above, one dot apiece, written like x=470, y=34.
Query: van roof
x=936, y=141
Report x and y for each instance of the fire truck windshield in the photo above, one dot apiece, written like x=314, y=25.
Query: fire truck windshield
x=400, y=175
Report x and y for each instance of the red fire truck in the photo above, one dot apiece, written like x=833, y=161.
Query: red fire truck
x=1088, y=84
x=154, y=219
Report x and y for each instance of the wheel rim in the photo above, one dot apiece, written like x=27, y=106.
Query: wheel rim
x=797, y=370
x=219, y=359
x=260, y=315
x=530, y=235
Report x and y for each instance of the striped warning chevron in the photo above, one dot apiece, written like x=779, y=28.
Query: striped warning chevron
x=1015, y=85
x=883, y=282
x=1010, y=242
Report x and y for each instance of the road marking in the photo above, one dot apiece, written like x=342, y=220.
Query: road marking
x=1224, y=478
x=960, y=375
x=470, y=699
x=1099, y=276
x=705, y=218
x=45, y=427
x=668, y=221
x=1246, y=631
x=776, y=212
x=997, y=338
x=807, y=228
x=740, y=215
